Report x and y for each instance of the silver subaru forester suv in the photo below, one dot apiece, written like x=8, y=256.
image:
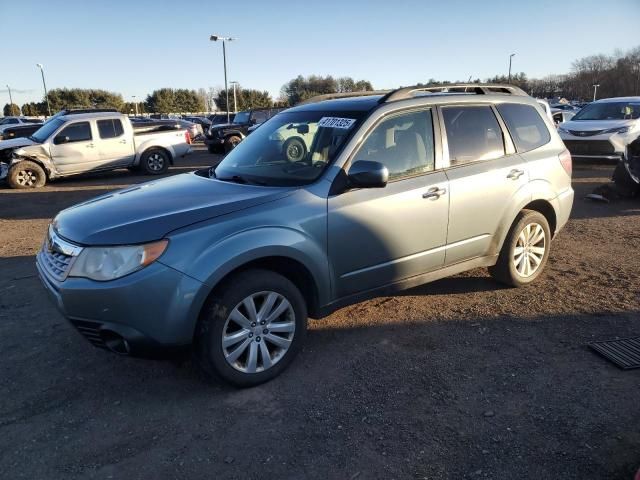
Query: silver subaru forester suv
x=386, y=191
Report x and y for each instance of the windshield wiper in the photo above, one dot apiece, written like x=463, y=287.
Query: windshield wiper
x=241, y=179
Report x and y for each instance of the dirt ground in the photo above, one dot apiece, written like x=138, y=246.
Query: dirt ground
x=461, y=378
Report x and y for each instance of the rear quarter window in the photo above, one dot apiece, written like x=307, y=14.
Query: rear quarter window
x=527, y=128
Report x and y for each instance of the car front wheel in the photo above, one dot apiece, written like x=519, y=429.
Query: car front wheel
x=251, y=329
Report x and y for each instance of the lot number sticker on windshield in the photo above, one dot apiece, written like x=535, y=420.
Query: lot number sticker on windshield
x=336, y=122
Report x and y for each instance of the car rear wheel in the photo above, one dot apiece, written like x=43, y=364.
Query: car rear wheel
x=26, y=174
x=154, y=162
x=251, y=329
x=231, y=143
x=525, y=250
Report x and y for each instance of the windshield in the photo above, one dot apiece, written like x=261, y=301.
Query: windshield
x=242, y=117
x=609, y=111
x=46, y=130
x=291, y=149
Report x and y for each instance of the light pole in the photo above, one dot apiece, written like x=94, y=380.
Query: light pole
x=136, y=103
x=235, y=105
x=39, y=65
x=10, y=100
x=595, y=89
x=215, y=38
x=510, y=57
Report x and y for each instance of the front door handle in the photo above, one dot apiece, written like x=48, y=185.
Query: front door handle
x=123, y=141
x=90, y=145
x=434, y=192
x=515, y=174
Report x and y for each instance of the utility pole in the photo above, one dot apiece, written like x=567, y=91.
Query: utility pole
x=235, y=104
x=136, y=103
x=215, y=38
x=595, y=89
x=510, y=57
x=39, y=65
x=10, y=100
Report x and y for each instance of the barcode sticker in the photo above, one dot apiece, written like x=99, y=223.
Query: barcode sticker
x=336, y=122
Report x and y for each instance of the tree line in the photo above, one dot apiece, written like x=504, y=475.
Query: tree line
x=616, y=75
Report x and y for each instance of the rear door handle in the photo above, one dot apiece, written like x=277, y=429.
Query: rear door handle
x=123, y=141
x=434, y=192
x=515, y=174
x=90, y=145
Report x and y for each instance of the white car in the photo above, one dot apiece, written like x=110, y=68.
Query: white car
x=7, y=122
x=603, y=129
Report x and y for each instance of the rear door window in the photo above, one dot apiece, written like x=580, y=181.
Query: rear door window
x=527, y=128
x=473, y=134
x=110, y=128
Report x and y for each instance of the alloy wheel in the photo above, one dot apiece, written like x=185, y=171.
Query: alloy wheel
x=529, y=250
x=27, y=178
x=258, y=332
x=155, y=162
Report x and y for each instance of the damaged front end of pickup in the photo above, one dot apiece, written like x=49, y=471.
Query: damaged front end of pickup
x=13, y=152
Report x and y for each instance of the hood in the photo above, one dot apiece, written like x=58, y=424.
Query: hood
x=16, y=143
x=591, y=125
x=148, y=212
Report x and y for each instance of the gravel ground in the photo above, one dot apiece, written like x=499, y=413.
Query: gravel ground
x=461, y=378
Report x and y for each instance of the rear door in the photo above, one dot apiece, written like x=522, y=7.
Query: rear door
x=114, y=146
x=73, y=149
x=484, y=175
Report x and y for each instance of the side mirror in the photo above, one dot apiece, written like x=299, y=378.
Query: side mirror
x=368, y=174
x=61, y=139
x=253, y=121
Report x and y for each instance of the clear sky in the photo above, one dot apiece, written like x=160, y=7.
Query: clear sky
x=135, y=46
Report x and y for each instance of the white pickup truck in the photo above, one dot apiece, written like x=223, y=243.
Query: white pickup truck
x=75, y=142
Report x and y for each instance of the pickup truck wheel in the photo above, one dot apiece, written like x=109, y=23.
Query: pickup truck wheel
x=252, y=328
x=154, y=162
x=525, y=250
x=26, y=174
x=294, y=149
x=231, y=143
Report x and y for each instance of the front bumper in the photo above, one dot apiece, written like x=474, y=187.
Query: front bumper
x=149, y=312
x=608, y=146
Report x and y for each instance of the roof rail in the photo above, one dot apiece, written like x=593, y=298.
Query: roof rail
x=332, y=96
x=471, y=88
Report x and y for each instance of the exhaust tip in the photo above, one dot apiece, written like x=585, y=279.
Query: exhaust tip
x=116, y=343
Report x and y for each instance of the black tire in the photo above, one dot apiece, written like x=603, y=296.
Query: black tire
x=26, y=174
x=294, y=149
x=215, y=321
x=154, y=162
x=505, y=270
x=231, y=142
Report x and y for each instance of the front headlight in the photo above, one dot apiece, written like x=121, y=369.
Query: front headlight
x=618, y=130
x=108, y=263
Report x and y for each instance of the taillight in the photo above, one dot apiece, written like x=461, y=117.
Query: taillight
x=187, y=137
x=565, y=161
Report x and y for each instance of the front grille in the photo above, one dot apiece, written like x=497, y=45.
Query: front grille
x=57, y=255
x=55, y=263
x=585, y=133
x=589, y=147
x=90, y=331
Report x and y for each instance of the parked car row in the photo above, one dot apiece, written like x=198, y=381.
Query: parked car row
x=224, y=137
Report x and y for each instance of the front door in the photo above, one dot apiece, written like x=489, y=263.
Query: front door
x=73, y=149
x=379, y=236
